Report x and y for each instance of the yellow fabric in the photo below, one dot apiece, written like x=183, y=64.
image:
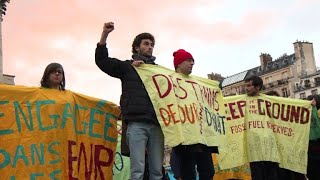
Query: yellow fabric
x=263, y=128
x=51, y=134
x=188, y=108
x=266, y=128
x=241, y=172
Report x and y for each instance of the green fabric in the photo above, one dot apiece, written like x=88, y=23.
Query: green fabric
x=314, y=125
x=121, y=168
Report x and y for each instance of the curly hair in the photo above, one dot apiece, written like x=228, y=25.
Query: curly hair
x=137, y=40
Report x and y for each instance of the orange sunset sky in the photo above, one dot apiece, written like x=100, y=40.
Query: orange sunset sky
x=224, y=36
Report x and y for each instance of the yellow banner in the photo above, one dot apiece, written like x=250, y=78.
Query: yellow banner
x=241, y=172
x=246, y=129
x=266, y=128
x=51, y=134
x=189, y=108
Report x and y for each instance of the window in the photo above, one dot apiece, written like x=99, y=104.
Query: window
x=307, y=83
x=302, y=95
x=285, y=92
x=284, y=75
x=317, y=81
x=243, y=90
x=268, y=79
x=314, y=91
x=259, y=69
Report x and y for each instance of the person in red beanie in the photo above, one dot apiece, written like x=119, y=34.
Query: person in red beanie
x=186, y=158
x=183, y=62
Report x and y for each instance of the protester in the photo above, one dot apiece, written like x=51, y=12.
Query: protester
x=143, y=132
x=186, y=158
x=53, y=77
x=260, y=170
x=313, y=172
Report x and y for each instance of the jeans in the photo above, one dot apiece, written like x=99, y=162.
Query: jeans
x=142, y=137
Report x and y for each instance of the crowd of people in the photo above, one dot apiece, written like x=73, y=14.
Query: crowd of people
x=143, y=139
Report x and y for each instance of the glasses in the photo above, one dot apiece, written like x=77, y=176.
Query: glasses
x=57, y=71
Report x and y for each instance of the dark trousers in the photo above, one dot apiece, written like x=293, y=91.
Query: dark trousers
x=313, y=170
x=204, y=163
x=290, y=175
x=264, y=170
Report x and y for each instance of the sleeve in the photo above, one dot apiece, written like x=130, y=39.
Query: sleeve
x=112, y=66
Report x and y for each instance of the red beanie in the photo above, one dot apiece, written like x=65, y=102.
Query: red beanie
x=180, y=56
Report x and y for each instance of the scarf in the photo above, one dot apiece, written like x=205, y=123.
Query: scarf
x=147, y=60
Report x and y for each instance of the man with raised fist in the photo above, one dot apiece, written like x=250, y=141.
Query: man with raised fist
x=144, y=132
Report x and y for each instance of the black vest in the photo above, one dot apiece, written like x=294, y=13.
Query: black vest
x=135, y=102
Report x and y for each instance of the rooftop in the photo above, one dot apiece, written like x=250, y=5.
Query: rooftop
x=280, y=63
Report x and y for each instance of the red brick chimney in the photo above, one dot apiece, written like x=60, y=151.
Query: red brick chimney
x=264, y=59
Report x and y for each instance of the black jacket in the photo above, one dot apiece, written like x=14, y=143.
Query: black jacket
x=135, y=102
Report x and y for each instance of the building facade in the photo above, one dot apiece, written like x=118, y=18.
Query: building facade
x=4, y=78
x=293, y=75
x=7, y=79
x=308, y=85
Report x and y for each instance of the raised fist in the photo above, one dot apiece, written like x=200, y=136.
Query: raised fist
x=108, y=27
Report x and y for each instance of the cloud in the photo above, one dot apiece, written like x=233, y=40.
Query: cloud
x=36, y=33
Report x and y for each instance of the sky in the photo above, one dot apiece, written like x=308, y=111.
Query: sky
x=224, y=36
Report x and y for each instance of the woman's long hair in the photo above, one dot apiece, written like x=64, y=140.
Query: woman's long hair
x=52, y=67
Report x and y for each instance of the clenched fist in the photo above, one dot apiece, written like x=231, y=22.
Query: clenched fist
x=108, y=27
